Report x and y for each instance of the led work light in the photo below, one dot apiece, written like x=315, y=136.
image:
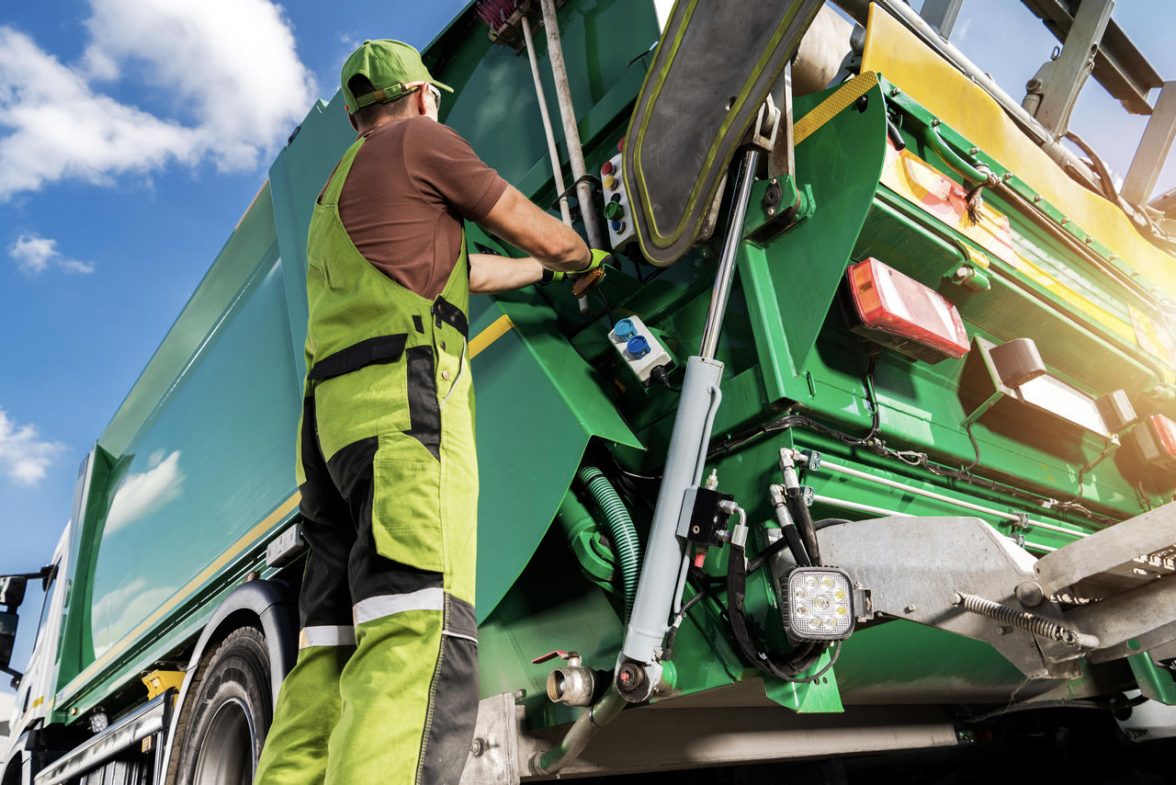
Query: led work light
x=820, y=604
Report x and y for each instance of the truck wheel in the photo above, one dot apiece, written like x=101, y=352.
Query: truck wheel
x=228, y=712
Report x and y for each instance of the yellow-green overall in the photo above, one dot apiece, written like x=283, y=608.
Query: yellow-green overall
x=385, y=686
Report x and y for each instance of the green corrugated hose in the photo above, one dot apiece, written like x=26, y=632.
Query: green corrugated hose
x=625, y=545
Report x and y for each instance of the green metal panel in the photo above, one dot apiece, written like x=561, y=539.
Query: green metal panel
x=790, y=284
x=537, y=407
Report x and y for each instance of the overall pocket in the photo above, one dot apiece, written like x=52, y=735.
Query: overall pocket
x=406, y=503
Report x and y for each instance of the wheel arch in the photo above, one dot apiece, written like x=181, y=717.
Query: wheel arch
x=270, y=606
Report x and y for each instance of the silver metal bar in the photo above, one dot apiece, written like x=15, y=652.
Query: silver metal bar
x=1069, y=72
x=1153, y=148
x=1007, y=516
x=942, y=15
x=146, y=721
x=567, y=111
x=882, y=512
x=726, y=272
x=552, y=151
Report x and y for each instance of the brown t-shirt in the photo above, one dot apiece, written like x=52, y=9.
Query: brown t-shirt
x=412, y=184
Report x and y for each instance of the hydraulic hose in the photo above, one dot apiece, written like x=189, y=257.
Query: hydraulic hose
x=544, y=764
x=626, y=546
x=802, y=658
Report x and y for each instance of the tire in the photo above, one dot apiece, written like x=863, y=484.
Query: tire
x=227, y=713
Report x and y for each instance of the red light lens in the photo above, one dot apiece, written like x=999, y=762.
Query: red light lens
x=899, y=312
x=1164, y=431
x=607, y=168
x=1153, y=442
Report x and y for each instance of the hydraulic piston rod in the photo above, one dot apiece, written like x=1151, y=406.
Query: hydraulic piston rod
x=638, y=668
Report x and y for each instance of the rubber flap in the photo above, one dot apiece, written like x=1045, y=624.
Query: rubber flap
x=714, y=67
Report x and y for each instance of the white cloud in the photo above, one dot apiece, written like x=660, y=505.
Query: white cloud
x=34, y=254
x=24, y=455
x=116, y=612
x=145, y=492
x=225, y=72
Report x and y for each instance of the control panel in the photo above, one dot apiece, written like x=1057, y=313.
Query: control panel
x=616, y=204
x=639, y=348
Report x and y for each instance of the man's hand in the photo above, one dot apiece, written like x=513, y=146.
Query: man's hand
x=586, y=278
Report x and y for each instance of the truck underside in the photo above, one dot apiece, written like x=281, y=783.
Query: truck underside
x=915, y=494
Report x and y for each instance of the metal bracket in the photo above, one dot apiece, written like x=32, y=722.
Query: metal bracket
x=494, y=754
x=762, y=134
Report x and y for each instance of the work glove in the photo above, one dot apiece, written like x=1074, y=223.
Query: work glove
x=582, y=280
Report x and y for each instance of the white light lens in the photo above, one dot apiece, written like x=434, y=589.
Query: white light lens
x=822, y=603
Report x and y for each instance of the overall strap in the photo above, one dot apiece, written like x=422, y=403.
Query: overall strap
x=334, y=186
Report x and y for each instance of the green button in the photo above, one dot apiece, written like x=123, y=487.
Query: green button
x=613, y=211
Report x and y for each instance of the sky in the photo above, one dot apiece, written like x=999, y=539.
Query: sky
x=134, y=133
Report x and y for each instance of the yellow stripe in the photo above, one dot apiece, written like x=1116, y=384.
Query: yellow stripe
x=249, y=539
x=833, y=105
x=907, y=62
x=498, y=328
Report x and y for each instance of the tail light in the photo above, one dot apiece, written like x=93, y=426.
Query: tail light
x=900, y=313
x=1154, y=441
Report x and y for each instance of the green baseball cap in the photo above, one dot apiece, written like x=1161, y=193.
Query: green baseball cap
x=393, y=67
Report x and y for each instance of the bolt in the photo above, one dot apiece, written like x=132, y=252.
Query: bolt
x=1036, y=198
x=973, y=150
x=935, y=123
x=695, y=529
x=771, y=211
x=519, y=695
x=1064, y=221
x=911, y=608
x=773, y=181
x=478, y=748
x=1029, y=594
x=894, y=92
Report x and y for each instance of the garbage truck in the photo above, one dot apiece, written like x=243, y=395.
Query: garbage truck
x=865, y=444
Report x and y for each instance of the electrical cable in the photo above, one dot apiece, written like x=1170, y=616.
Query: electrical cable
x=803, y=657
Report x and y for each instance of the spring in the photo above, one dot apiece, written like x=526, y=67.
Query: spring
x=1030, y=622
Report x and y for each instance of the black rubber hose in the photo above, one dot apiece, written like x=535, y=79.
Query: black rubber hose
x=802, y=657
x=804, y=522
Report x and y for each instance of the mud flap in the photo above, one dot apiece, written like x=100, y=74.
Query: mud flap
x=715, y=66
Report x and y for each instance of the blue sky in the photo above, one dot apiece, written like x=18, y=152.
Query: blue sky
x=104, y=233
x=113, y=203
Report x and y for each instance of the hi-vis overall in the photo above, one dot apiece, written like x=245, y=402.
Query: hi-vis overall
x=385, y=687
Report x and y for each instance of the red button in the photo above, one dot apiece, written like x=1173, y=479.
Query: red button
x=621, y=145
x=608, y=168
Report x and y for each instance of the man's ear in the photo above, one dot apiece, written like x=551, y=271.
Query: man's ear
x=422, y=100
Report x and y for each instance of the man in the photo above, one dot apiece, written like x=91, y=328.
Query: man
x=385, y=686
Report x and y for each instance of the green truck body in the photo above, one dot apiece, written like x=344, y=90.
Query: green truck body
x=193, y=479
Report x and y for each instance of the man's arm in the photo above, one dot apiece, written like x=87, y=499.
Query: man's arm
x=550, y=242
x=490, y=274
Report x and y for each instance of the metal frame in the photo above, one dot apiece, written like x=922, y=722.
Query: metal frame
x=1153, y=148
x=942, y=15
x=1066, y=75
